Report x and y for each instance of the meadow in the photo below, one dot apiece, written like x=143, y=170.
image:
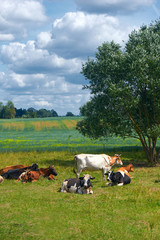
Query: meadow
x=54, y=134
x=39, y=211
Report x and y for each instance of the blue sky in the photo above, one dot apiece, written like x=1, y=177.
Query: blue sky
x=44, y=42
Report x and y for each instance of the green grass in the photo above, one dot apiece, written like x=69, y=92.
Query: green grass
x=54, y=134
x=38, y=211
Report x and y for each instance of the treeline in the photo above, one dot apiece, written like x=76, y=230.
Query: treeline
x=8, y=111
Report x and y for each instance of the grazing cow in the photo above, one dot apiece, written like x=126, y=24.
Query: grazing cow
x=121, y=177
x=80, y=185
x=93, y=162
x=4, y=170
x=15, y=173
x=1, y=179
x=32, y=176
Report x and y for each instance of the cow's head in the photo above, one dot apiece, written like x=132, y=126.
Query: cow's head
x=34, y=167
x=109, y=175
x=23, y=176
x=85, y=181
x=129, y=168
x=52, y=170
x=118, y=160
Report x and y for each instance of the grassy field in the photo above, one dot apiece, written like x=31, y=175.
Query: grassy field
x=54, y=134
x=38, y=211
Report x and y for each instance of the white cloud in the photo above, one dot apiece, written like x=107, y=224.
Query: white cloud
x=42, y=91
x=17, y=17
x=79, y=34
x=43, y=39
x=112, y=6
x=6, y=37
x=27, y=59
x=42, y=72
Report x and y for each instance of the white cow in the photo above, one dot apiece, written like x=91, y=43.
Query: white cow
x=93, y=162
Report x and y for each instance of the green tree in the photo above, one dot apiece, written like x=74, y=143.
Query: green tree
x=8, y=110
x=125, y=90
x=54, y=113
x=42, y=113
x=1, y=108
x=69, y=114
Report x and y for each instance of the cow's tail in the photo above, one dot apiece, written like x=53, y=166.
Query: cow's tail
x=74, y=159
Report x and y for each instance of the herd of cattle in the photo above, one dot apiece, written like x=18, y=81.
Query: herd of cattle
x=80, y=185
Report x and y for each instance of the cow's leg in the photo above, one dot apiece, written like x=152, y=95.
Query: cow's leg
x=78, y=172
x=103, y=172
x=79, y=191
x=120, y=184
x=64, y=186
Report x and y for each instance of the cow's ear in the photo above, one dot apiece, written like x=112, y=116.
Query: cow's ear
x=92, y=178
x=81, y=178
x=51, y=166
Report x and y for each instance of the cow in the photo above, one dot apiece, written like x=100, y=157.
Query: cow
x=4, y=170
x=93, y=162
x=1, y=179
x=121, y=177
x=126, y=169
x=32, y=176
x=15, y=173
x=80, y=185
x=46, y=172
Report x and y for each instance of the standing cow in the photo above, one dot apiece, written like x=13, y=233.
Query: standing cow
x=93, y=162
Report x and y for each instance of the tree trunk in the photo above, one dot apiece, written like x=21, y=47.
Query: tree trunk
x=151, y=153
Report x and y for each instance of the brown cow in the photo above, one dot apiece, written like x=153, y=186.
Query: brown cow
x=127, y=169
x=4, y=170
x=32, y=176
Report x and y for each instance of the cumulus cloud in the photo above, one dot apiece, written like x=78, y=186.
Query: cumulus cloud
x=27, y=59
x=112, y=6
x=17, y=16
x=42, y=91
x=79, y=34
x=45, y=72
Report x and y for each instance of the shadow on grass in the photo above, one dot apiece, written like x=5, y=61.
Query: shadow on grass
x=76, y=149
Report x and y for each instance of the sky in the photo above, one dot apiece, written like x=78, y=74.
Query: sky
x=43, y=44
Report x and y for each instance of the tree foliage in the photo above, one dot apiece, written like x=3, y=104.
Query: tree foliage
x=69, y=114
x=8, y=110
x=125, y=90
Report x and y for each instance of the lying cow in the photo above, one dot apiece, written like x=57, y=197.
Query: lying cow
x=80, y=185
x=93, y=162
x=32, y=176
x=121, y=177
x=1, y=179
x=15, y=173
x=7, y=168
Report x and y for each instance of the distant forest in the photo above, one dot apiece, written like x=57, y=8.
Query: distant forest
x=8, y=111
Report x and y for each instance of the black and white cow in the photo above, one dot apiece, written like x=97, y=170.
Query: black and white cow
x=119, y=178
x=15, y=173
x=80, y=185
